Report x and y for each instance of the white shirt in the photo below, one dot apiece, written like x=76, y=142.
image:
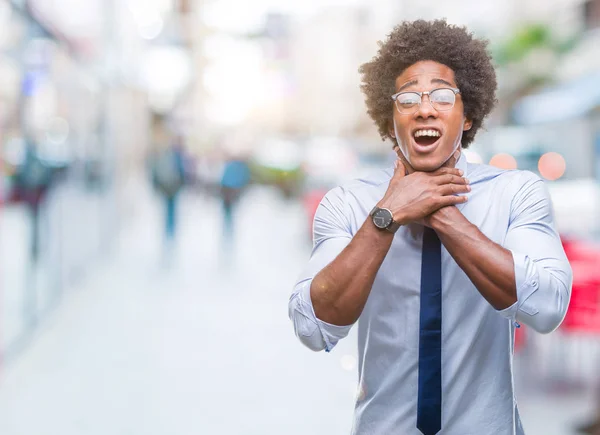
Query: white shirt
x=513, y=209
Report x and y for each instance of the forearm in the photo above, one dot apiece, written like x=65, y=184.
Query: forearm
x=488, y=265
x=339, y=292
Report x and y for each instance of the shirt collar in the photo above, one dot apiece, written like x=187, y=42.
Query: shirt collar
x=462, y=163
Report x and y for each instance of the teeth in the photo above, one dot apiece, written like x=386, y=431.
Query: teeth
x=433, y=133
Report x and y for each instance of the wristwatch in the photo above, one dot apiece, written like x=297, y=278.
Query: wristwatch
x=384, y=220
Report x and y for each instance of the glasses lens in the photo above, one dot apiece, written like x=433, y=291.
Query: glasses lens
x=442, y=99
x=407, y=102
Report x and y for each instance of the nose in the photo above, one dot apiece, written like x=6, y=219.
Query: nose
x=426, y=109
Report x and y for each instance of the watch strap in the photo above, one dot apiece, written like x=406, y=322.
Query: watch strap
x=393, y=227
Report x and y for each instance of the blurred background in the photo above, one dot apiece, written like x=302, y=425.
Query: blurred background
x=161, y=163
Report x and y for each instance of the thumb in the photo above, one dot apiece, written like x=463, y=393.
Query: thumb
x=399, y=169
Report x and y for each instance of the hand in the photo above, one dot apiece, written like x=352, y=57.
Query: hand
x=444, y=214
x=412, y=197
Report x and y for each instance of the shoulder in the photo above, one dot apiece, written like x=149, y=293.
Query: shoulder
x=367, y=182
x=511, y=178
x=363, y=188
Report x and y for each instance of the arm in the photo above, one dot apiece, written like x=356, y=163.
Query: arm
x=528, y=279
x=339, y=292
x=488, y=265
x=335, y=287
x=337, y=281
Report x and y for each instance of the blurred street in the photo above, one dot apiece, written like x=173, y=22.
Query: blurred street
x=161, y=162
x=202, y=345
x=199, y=344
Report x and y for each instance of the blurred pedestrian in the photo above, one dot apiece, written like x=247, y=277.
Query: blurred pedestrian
x=235, y=178
x=32, y=181
x=169, y=176
x=440, y=259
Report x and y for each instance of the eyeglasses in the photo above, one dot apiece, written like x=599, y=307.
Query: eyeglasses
x=441, y=99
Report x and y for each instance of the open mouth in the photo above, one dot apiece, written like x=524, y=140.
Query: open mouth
x=426, y=137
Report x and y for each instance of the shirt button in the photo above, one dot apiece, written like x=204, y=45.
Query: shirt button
x=534, y=283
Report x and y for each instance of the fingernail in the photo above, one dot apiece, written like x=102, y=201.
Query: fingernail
x=460, y=172
x=456, y=154
x=396, y=164
x=467, y=180
x=468, y=188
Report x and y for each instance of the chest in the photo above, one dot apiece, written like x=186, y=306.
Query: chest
x=396, y=289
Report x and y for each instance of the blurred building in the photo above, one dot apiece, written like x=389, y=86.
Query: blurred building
x=326, y=98
x=81, y=81
x=84, y=80
x=297, y=72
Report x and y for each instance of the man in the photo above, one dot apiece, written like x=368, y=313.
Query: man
x=234, y=180
x=168, y=177
x=437, y=259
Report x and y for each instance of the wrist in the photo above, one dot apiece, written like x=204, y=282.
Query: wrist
x=377, y=233
x=397, y=216
x=400, y=218
x=383, y=219
x=447, y=218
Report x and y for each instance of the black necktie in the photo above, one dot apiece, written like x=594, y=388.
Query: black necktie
x=429, y=408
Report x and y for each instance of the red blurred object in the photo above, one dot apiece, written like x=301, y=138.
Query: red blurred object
x=311, y=201
x=519, y=338
x=584, y=309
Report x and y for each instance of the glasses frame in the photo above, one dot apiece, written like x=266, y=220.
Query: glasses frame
x=420, y=94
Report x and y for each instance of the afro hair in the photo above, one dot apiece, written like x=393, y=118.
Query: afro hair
x=415, y=41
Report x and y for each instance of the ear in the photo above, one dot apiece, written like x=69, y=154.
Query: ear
x=467, y=125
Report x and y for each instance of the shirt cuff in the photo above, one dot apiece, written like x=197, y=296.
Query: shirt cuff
x=527, y=281
x=331, y=333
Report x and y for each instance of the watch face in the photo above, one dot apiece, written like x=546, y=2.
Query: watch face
x=382, y=218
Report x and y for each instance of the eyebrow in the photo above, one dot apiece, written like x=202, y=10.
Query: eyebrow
x=407, y=84
x=415, y=82
x=442, y=82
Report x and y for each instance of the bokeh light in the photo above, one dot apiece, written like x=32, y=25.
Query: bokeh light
x=504, y=161
x=473, y=156
x=552, y=166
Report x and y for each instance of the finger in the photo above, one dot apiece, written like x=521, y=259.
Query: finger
x=407, y=168
x=450, y=179
x=444, y=201
x=399, y=169
x=453, y=189
x=446, y=170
